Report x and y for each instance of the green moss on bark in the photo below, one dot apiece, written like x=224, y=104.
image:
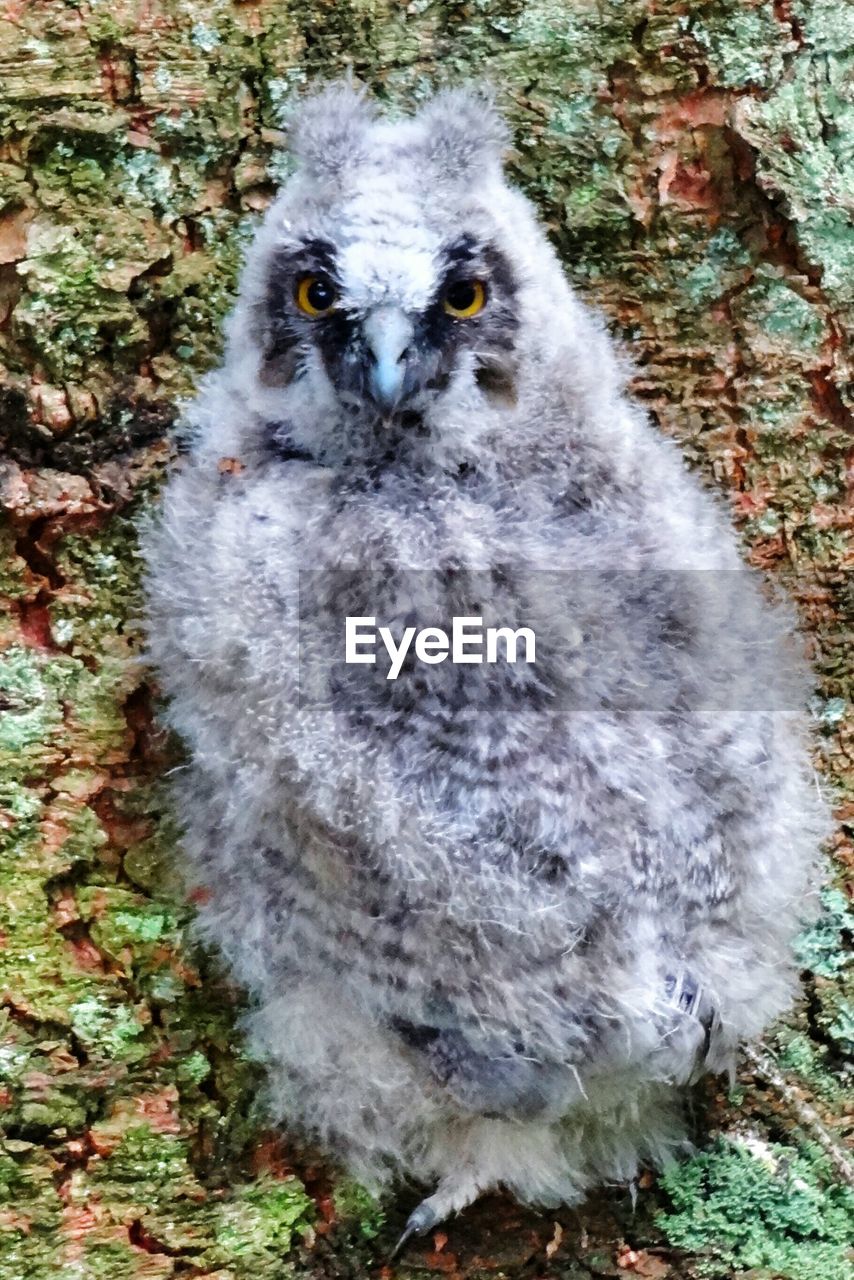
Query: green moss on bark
x=762, y=1210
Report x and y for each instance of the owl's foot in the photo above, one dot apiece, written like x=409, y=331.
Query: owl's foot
x=454, y=1192
x=418, y=1223
x=685, y=994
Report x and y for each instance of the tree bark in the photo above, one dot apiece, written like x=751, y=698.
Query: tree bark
x=694, y=164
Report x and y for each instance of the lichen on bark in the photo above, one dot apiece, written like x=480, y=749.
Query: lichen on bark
x=693, y=163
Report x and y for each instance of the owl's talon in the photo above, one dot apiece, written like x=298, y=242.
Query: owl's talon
x=684, y=993
x=418, y=1223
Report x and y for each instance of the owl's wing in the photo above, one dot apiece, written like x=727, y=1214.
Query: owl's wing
x=486, y=1077
x=692, y=1004
x=504, y=1077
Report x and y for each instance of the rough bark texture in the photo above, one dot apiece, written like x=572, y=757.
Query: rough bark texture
x=695, y=163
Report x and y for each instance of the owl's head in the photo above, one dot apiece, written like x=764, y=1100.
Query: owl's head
x=398, y=284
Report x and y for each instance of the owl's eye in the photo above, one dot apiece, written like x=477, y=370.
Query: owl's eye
x=315, y=295
x=464, y=298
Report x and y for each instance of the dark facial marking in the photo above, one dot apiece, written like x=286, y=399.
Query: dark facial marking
x=496, y=381
x=284, y=329
x=437, y=341
x=492, y=331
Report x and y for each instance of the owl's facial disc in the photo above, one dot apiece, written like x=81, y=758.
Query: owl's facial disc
x=388, y=357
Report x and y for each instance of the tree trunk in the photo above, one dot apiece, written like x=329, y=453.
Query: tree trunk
x=694, y=164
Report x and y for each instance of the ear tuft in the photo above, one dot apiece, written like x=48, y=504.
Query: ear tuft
x=464, y=131
x=327, y=130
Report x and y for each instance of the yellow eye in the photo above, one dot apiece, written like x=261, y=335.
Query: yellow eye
x=464, y=299
x=315, y=295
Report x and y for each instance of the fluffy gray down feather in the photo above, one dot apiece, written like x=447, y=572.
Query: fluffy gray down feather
x=491, y=917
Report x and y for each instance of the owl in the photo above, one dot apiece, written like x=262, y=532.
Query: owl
x=495, y=905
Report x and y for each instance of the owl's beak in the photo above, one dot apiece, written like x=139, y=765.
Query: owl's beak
x=388, y=333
